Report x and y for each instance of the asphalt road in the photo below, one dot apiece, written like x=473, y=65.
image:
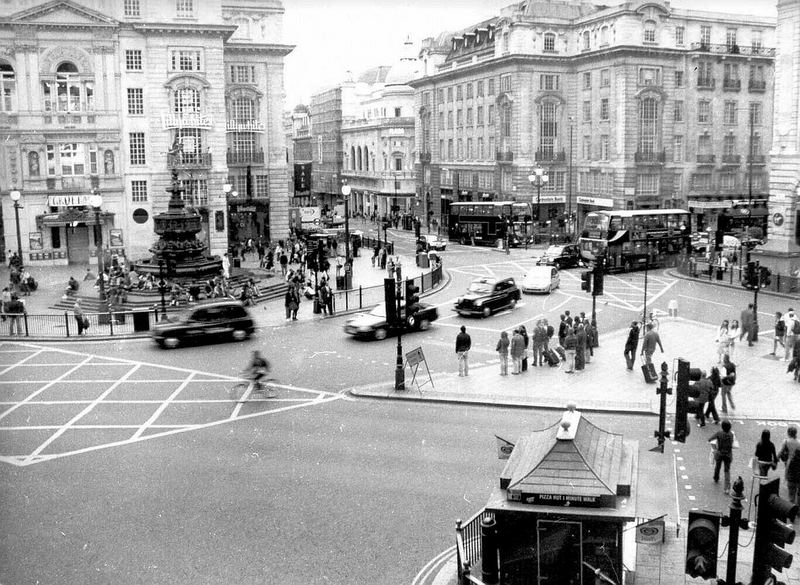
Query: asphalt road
x=319, y=488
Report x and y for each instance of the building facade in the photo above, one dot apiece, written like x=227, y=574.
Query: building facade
x=301, y=155
x=111, y=98
x=633, y=106
x=378, y=142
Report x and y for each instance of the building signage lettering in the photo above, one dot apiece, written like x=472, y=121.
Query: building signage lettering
x=310, y=214
x=302, y=177
x=188, y=120
x=246, y=209
x=245, y=126
x=551, y=199
x=68, y=200
x=562, y=500
x=596, y=201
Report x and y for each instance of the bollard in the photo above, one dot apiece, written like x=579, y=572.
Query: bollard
x=490, y=569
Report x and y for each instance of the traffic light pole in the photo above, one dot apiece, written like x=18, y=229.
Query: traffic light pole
x=663, y=389
x=399, y=371
x=734, y=522
x=754, y=334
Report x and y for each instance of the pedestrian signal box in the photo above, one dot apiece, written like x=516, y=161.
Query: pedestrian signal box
x=702, y=542
x=772, y=533
x=390, y=301
x=586, y=281
x=684, y=393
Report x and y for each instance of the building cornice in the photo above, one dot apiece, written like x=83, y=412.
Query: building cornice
x=261, y=48
x=185, y=28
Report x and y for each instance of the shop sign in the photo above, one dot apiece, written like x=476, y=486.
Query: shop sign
x=116, y=238
x=189, y=120
x=245, y=126
x=310, y=214
x=68, y=200
x=562, y=500
x=551, y=199
x=650, y=532
x=302, y=177
x=246, y=208
x=596, y=201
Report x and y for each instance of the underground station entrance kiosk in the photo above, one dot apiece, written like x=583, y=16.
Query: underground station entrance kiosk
x=558, y=515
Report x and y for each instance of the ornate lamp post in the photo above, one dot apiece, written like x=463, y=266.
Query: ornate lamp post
x=348, y=261
x=15, y=196
x=96, y=201
x=162, y=288
x=537, y=179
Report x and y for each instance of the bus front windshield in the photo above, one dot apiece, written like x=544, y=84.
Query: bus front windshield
x=596, y=222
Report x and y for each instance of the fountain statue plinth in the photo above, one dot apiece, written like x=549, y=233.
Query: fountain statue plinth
x=177, y=247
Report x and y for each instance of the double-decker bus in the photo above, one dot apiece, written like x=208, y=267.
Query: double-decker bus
x=485, y=222
x=631, y=240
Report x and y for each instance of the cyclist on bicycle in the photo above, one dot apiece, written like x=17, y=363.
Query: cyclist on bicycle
x=258, y=368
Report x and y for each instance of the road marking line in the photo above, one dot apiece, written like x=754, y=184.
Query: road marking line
x=11, y=367
x=426, y=571
x=159, y=411
x=704, y=300
x=81, y=414
x=27, y=399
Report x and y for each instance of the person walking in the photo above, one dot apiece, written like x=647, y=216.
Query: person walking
x=716, y=384
x=649, y=343
x=570, y=348
x=790, y=455
x=502, y=349
x=527, y=340
x=792, y=333
x=517, y=349
x=766, y=455
x=704, y=388
x=723, y=453
x=780, y=332
x=539, y=343
x=226, y=266
x=463, y=345
x=631, y=344
x=291, y=301
x=80, y=318
x=747, y=319
x=326, y=297
x=580, y=346
x=728, y=381
x=734, y=333
x=723, y=340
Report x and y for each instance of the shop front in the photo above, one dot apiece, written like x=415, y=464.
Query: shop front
x=561, y=507
x=743, y=214
x=248, y=219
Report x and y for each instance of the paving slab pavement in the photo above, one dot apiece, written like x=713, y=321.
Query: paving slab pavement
x=763, y=391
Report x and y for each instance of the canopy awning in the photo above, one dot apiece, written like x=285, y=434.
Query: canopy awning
x=73, y=217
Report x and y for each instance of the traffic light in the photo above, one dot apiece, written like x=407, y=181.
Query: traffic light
x=766, y=276
x=412, y=301
x=772, y=533
x=684, y=392
x=750, y=276
x=586, y=281
x=390, y=301
x=598, y=274
x=702, y=542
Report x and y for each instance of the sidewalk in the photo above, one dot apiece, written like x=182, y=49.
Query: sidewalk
x=52, y=282
x=606, y=385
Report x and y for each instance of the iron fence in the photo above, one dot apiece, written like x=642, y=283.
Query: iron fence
x=110, y=324
x=357, y=299
x=468, y=546
x=702, y=269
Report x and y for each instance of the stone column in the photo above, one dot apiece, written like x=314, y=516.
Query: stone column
x=782, y=252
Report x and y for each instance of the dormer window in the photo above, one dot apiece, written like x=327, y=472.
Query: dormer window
x=649, y=31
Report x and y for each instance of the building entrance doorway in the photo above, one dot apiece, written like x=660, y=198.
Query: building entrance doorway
x=78, y=244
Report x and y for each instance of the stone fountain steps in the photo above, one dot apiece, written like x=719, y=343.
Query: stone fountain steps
x=140, y=300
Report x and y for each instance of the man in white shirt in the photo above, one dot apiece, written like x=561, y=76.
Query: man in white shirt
x=792, y=324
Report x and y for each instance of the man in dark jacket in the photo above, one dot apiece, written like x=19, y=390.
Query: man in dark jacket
x=723, y=453
x=704, y=387
x=631, y=344
x=463, y=345
x=748, y=324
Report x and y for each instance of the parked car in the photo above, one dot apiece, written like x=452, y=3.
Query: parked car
x=561, y=256
x=541, y=279
x=210, y=322
x=487, y=295
x=432, y=242
x=375, y=325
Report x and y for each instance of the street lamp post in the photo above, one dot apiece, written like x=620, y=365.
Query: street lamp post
x=96, y=201
x=569, y=181
x=537, y=179
x=347, y=260
x=15, y=196
x=162, y=288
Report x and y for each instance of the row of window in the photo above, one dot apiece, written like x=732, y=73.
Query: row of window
x=359, y=160
x=469, y=90
x=447, y=123
x=183, y=8
x=730, y=147
x=730, y=112
x=650, y=29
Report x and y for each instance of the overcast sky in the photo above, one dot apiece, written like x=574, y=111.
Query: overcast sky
x=334, y=36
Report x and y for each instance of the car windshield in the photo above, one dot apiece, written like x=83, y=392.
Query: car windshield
x=378, y=310
x=480, y=286
x=538, y=275
x=554, y=251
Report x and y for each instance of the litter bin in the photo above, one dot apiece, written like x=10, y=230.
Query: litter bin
x=423, y=261
x=141, y=321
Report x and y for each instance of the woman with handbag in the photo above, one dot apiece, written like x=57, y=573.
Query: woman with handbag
x=723, y=340
x=728, y=382
x=766, y=455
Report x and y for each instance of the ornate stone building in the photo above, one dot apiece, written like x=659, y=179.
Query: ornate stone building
x=108, y=97
x=634, y=106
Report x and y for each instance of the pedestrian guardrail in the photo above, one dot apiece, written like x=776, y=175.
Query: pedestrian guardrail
x=702, y=269
x=360, y=298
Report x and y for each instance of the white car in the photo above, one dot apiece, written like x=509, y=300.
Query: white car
x=541, y=279
x=432, y=242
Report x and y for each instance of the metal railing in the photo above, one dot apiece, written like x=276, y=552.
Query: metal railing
x=650, y=157
x=189, y=160
x=551, y=156
x=361, y=298
x=238, y=157
x=468, y=547
x=111, y=324
x=700, y=268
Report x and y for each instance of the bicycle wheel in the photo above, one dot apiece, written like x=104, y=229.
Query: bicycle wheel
x=238, y=390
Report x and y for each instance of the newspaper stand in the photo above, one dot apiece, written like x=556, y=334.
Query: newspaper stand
x=414, y=358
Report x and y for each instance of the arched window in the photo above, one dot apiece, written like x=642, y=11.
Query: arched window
x=352, y=158
x=8, y=88
x=604, y=36
x=586, y=40
x=186, y=100
x=366, y=159
x=648, y=125
x=67, y=89
x=649, y=31
x=243, y=109
x=548, y=128
x=360, y=162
